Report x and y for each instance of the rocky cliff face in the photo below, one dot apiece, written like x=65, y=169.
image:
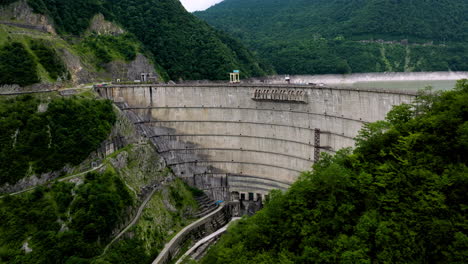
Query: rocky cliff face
x=21, y=14
x=131, y=70
x=18, y=23
x=100, y=26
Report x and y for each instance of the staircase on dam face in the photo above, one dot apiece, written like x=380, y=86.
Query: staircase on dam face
x=205, y=205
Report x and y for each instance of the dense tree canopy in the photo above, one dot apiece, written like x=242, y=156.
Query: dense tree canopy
x=185, y=46
x=17, y=65
x=325, y=36
x=49, y=59
x=35, y=142
x=360, y=19
x=399, y=197
x=64, y=223
x=70, y=17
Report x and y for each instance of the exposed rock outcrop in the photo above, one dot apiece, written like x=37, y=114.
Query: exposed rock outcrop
x=100, y=26
x=132, y=70
x=20, y=14
x=78, y=72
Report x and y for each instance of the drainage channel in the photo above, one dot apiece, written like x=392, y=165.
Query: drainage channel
x=207, y=224
x=198, y=250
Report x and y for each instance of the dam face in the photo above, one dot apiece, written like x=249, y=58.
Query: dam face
x=241, y=141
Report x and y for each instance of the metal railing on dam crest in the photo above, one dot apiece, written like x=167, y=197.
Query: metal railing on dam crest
x=243, y=140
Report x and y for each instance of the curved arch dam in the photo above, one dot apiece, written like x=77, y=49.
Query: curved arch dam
x=246, y=139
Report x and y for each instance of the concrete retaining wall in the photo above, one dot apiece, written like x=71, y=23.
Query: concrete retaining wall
x=250, y=138
x=194, y=232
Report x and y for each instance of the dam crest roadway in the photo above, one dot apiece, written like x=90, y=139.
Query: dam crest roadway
x=239, y=141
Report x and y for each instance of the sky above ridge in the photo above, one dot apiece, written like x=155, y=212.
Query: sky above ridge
x=197, y=5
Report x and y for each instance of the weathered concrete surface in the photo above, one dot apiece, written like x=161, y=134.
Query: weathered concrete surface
x=224, y=139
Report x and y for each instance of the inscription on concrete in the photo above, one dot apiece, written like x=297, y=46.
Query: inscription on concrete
x=281, y=95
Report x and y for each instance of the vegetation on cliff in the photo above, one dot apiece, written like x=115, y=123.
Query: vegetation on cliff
x=323, y=36
x=185, y=46
x=64, y=223
x=49, y=59
x=20, y=62
x=322, y=56
x=399, y=197
x=17, y=65
x=74, y=220
x=33, y=141
x=167, y=213
x=104, y=48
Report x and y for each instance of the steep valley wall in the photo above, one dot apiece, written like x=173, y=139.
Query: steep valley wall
x=241, y=141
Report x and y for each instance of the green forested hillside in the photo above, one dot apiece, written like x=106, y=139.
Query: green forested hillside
x=400, y=197
x=37, y=142
x=17, y=65
x=388, y=19
x=294, y=34
x=63, y=223
x=73, y=219
x=185, y=46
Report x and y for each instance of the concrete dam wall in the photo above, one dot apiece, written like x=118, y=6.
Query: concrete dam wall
x=241, y=141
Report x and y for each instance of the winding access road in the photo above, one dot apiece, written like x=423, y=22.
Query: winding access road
x=206, y=239
x=133, y=222
x=169, y=245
